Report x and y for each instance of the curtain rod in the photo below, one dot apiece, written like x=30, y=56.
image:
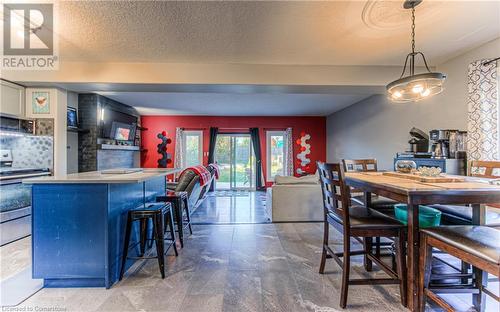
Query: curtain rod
x=491, y=61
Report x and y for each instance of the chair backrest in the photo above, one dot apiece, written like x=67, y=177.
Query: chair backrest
x=336, y=195
x=363, y=165
x=187, y=182
x=484, y=169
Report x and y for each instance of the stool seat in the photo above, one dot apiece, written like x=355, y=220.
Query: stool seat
x=481, y=241
x=149, y=209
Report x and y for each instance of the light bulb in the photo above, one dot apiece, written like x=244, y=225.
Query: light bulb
x=426, y=92
x=417, y=88
x=397, y=94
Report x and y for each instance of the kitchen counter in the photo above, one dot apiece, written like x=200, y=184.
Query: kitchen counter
x=101, y=177
x=79, y=222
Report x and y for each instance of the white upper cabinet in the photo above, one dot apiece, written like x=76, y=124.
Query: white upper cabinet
x=12, y=99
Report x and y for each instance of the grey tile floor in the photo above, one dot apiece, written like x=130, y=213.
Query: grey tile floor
x=243, y=267
x=227, y=207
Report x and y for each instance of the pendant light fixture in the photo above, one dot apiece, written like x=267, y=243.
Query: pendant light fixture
x=415, y=87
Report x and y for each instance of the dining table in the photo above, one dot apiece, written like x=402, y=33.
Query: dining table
x=414, y=192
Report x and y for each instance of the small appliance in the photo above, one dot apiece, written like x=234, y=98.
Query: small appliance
x=447, y=143
x=419, y=141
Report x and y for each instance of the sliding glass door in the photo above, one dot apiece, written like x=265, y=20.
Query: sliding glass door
x=235, y=156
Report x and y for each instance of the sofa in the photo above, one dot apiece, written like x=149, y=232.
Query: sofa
x=293, y=199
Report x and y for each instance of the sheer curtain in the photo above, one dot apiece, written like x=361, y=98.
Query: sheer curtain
x=483, y=117
x=288, y=152
x=179, y=148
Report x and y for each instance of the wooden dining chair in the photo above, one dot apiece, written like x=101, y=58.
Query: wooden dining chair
x=379, y=203
x=355, y=221
x=462, y=215
x=476, y=245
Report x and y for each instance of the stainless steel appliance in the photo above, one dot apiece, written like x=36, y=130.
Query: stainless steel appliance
x=448, y=143
x=15, y=203
x=439, y=144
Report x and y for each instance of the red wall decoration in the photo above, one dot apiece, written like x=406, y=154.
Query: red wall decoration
x=166, y=158
x=303, y=161
x=314, y=126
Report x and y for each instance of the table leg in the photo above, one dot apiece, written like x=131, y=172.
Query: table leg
x=368, y=241
x=478, y=214
x=413, y=257
x=478, y=300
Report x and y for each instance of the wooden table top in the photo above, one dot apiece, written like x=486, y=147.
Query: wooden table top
x=407, y=186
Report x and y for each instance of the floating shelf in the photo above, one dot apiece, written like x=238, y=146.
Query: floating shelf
x=118, y=147
x=79, y=130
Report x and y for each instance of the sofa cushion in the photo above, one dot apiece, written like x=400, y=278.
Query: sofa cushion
x=308, y=179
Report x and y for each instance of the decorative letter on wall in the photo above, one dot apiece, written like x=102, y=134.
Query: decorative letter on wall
x=305, y=150
x=166, y=158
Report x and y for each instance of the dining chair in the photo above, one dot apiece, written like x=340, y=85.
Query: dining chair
x=355, y=221
x=477, y=245
x=379, y=203
x=462, y=215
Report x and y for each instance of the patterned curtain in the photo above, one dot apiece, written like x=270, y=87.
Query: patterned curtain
x=179, y=147
x=289, y=152
x=483, y=118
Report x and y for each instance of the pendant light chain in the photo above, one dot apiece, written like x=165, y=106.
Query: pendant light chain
x=413, y=30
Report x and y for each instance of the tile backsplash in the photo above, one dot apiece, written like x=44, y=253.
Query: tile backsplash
x=29, y=151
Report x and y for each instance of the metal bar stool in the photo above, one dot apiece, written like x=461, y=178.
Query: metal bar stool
x=180, y=203
x=161, y=215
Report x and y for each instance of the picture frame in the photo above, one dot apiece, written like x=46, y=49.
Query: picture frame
x=40, y=102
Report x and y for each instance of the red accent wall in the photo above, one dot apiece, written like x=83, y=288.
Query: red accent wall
x=315, y=126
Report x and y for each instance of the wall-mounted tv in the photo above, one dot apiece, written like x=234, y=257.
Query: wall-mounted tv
x=113, y=121
x=122, y=132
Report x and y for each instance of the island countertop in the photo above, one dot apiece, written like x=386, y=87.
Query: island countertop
x=93, y=177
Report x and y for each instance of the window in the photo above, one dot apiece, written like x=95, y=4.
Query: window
x=193, y=148
x=275, y=160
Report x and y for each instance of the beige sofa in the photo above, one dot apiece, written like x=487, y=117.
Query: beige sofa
x=293, y=199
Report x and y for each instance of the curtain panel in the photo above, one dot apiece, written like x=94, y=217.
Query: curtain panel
x=179, y=148
x=259, y=176
x=288, y=152
x=483, y=112
x=211, y=145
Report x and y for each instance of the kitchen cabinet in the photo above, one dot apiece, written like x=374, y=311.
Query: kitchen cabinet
x=12, y=101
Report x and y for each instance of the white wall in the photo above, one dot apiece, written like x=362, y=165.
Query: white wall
x=376, y=127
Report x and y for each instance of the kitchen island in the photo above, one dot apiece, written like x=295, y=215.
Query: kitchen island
x=79, y=221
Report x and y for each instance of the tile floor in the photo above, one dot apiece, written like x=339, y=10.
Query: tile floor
x=227, y=267
x=261, y=267
x=228, y=207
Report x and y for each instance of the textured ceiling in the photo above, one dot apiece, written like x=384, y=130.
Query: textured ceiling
x=235, y=104
x=257, y=32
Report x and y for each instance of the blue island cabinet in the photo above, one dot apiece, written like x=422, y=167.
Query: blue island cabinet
x=79, y=228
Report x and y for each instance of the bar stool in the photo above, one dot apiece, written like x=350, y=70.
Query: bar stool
x=478, y=246
x=180, y=203
x=161, y=215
